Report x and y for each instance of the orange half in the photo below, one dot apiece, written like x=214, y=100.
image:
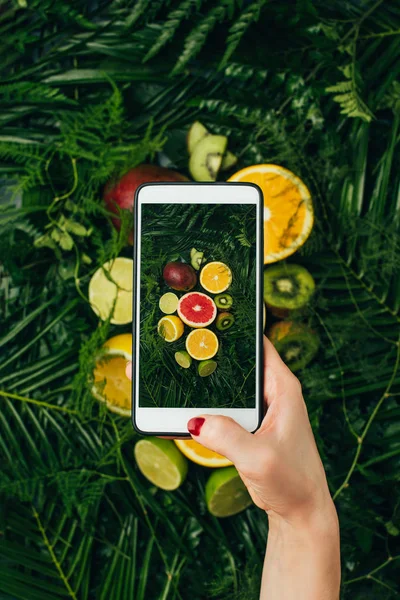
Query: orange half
x=202, y=344
x=288, y=209
x=201, y=455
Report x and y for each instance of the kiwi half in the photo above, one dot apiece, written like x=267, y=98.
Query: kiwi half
x=206, y=158
x=224, y=301
x=287, y=287
x=296, y=343
x=224, y=321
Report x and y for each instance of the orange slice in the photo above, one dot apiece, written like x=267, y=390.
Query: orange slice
x=215, y=277
x=111, y=385
x=170, y=328
x=202, y=344
x=201, y=455
x=288, y=209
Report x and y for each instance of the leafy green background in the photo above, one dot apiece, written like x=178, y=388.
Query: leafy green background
x=90, y=89
x=224, y=233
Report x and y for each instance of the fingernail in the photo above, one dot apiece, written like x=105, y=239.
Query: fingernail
x=194, y=425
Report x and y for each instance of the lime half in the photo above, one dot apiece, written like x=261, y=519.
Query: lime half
x=226, y=494
x=168, y=303
x=206, y=367
x=111, y=286
x=183, y=359
x=161, y=462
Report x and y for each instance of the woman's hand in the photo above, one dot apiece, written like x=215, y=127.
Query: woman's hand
x=279, y=464
x=283, y=473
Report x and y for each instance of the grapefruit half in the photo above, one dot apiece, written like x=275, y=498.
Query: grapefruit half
x=197, y=309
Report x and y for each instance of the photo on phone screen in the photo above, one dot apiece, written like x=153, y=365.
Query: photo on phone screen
x=197, y=304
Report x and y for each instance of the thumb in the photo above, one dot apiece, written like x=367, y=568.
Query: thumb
x=225, y=436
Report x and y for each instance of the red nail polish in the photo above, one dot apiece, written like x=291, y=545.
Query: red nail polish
x=194, y=425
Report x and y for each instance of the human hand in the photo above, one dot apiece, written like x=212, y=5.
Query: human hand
x=283, y=472
x=279, y=463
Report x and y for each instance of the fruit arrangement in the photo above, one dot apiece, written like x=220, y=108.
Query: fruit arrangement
x=196, y=309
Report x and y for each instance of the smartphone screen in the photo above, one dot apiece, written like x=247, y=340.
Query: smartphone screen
x=197, y=310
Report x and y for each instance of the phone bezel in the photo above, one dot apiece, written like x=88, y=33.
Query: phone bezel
x=259, y=408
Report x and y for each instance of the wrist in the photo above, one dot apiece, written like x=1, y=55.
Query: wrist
x=303, y=556
x=309, y=523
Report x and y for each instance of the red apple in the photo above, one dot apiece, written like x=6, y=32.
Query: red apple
x=121, y=193
x=179, y=276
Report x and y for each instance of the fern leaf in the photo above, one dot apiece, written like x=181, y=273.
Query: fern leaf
x=170, y=26
x=342, y=86
x=137, y=12
x=30, y=92
x=250, y=15
x=198, y=37
x=348, y=95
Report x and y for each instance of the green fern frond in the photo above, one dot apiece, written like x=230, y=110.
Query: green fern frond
x=250, y=15
x=245, y=73
x=198, y=36
x=32, y=92
x=348, y=96
x=171, y=24
x=138, y=10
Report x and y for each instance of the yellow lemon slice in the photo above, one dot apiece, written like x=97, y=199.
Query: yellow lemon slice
x=170, y=328
x=202, y=344
x=215, y=277
x=111, y=283
x=201, y=455
x=288, y=209
x=111, y=384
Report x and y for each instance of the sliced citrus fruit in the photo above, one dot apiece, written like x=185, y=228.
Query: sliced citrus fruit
x=288, y=209
x=206, y=367
x=111, y=385
x=197, y=309
x=183, y=359
x=161, y=462
x=202, y=456
x=170, y=328
x=226, y=494
x=202, y=344
x=168, y=303
x=113, y=283
x=215, y=277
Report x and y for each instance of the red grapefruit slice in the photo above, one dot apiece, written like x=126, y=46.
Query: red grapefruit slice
x=197, y=309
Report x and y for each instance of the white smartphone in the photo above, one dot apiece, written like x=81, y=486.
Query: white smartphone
x=198, y=305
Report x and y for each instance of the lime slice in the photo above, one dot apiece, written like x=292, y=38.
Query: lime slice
x=226, y=494
x=161, y=462
x=168, y=303
x=183, y=359
x=206, y=367
x=113, y=283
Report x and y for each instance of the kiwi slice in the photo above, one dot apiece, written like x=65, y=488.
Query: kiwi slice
x=206, y=367
x=229, y=160
x=296, y=343
x=224, y=301
x=224, y=321
x=196, y=258
x=287, y=286
x=196, y=132
x=206, y=158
